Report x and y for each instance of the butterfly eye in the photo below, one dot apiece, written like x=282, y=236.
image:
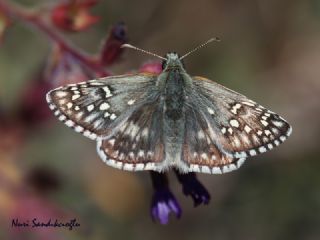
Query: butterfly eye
x=164, y=63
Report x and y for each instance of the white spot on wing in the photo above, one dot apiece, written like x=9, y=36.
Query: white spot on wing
x=75, y=96
x=267, y=132
x=112, y=141
x=128, y=167
x=61, y=94
x=90, y=107
x=247, y=128
x=240, y=162
x=200, y=134
x=139, y=167
x=107, y=91
x=211, y=111
x=282, y=138
x=216, y=170
x=52, y=107
x=235, y=108
x=149, y=166
x=264, y=123
x=253, y=152
x=145, y=132
x=229, y=168
x=69, y=123
x=104, y=106
x=141, y=153
x=113, y=116
x=204, y=156
x=234, y=123
x=69, y=105
x=262, y=149
x=205, y=169
x=131, y=101
x=78, y=129
x=248, y=104
x=62, y=117
x=278, y=124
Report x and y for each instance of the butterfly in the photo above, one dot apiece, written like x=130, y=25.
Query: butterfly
x=169, y=120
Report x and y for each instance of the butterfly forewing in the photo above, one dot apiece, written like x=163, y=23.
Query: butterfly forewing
x=243, y=127
x=91, y=107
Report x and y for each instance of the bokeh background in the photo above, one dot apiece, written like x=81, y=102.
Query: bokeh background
x=270, y=52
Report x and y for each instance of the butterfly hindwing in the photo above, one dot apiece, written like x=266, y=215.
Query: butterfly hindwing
x=136, y=143
x=201, y=150
x=91, y=107
x=243, y=127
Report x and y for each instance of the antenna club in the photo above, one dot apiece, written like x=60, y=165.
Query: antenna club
x=217, y=39
x=126, y=45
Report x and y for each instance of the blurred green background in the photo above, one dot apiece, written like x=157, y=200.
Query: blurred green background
x=270, y=52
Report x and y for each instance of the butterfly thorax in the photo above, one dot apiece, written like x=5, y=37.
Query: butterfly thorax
x=173, y=82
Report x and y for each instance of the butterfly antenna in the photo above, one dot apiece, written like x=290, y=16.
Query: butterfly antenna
x=141, y=50
x=200, y=46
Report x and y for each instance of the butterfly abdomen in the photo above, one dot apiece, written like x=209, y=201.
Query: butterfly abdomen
x=174, y=94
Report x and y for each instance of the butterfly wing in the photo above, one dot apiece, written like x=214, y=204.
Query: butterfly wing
x=122, y=113
x=137, y=143
x=243, y=127
x=201, y=149
x=92, y=107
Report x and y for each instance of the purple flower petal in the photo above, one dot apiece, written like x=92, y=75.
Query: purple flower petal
x=191, y=186
x=163, y=201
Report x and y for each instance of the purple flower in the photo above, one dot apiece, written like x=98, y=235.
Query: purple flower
x=163, y=201
x=191, y=186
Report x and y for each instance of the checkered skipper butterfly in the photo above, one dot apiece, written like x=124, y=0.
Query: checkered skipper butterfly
x=157, y=121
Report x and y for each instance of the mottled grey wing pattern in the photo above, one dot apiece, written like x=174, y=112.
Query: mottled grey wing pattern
x=242, y=127
x=122, y=113
x=201, y=148
x=94, y=107
x=125, y=114
x=137, y=143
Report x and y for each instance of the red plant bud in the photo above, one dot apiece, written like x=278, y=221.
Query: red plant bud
x=4, y=23
x=74, y=15
x=151, y=67
x=111, y=49
x=33, y=107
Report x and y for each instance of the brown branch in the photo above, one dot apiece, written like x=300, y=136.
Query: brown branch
x=31, y=18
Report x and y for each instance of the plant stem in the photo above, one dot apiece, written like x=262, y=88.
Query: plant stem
x=31, y=18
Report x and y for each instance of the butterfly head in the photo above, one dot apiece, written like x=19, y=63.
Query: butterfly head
x=172, y=61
